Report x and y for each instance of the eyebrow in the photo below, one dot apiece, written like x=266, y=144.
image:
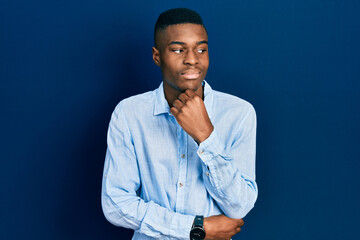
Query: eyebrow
x=202, y=42
x=182, y=43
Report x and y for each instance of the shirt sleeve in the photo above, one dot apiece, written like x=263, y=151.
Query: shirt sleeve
x=229, y=173
x=121, y=181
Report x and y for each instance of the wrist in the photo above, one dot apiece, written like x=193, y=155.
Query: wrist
x=203, y=135
x=197, y=230
x=207, y=228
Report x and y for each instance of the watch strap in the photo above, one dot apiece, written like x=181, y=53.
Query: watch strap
x=199, y=221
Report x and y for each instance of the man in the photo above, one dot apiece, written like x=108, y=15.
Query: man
x=180, y=161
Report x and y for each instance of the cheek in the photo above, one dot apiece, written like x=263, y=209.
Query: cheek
x=172, y=66
x=169, y=71
x=204, y=60
x=205, y=64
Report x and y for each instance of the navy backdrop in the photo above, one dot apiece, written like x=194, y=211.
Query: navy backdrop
x=66, y=64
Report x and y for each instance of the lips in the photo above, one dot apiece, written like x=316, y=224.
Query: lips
x=191, y=74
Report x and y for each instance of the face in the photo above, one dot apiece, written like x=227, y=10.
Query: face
x=182, y=54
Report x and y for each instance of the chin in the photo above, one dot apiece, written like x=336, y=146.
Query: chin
x=184, y=84
x=193, y=84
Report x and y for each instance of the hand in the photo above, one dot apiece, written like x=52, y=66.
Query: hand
x=220, y=227
x=190, y=112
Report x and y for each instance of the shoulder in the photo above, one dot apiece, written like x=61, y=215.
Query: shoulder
x=137, y=104
x=234, y=104
x=232, y=116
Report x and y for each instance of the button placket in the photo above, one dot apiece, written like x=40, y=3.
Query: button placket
x=180, y=199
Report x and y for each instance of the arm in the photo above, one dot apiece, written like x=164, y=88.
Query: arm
x=120, y=202
x=229, y=176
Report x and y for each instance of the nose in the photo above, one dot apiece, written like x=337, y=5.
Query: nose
x=191, y=58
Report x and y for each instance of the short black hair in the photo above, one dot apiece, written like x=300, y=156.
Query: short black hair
x=176, y=16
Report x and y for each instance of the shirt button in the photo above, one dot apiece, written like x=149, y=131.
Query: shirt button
x=182, y=155
x=181, y=184
x=201, y=151
x=207, y=173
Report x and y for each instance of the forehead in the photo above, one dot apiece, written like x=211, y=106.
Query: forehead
x=187, y=33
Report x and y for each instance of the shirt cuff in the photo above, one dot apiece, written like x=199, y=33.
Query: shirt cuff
x=188, y=223
x=210, y=148
x=162, y=223
x=185, y=223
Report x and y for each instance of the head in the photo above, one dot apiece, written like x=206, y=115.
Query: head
x=181, y=49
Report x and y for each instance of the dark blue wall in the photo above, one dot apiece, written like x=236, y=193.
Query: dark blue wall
x=64, y=65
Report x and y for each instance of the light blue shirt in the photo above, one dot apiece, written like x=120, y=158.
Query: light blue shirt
x=157, y=178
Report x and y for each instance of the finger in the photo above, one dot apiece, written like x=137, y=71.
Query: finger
x=241, y=222
x=174, y=111
x=238, y=230
x=183, y=98
x=190, y=93
x=178, y=104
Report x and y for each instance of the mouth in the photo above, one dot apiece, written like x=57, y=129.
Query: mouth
x=191, y=74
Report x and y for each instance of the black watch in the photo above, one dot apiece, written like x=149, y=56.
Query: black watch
x=197, y=230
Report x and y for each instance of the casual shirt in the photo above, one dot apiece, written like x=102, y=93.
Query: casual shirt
x=157, y=178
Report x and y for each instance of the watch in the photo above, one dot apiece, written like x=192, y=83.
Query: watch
x=197, y=230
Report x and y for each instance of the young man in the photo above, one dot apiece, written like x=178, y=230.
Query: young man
x=180, y=161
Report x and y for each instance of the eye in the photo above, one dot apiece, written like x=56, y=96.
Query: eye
x=177, y=50
x=201, y=50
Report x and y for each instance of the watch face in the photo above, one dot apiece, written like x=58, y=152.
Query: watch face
x=197, y=233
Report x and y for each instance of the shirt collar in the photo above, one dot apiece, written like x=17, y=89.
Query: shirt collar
x=161, y=106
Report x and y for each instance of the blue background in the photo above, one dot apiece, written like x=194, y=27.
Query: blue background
x=64, y=65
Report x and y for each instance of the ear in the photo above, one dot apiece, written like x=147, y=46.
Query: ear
x=156, y=56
